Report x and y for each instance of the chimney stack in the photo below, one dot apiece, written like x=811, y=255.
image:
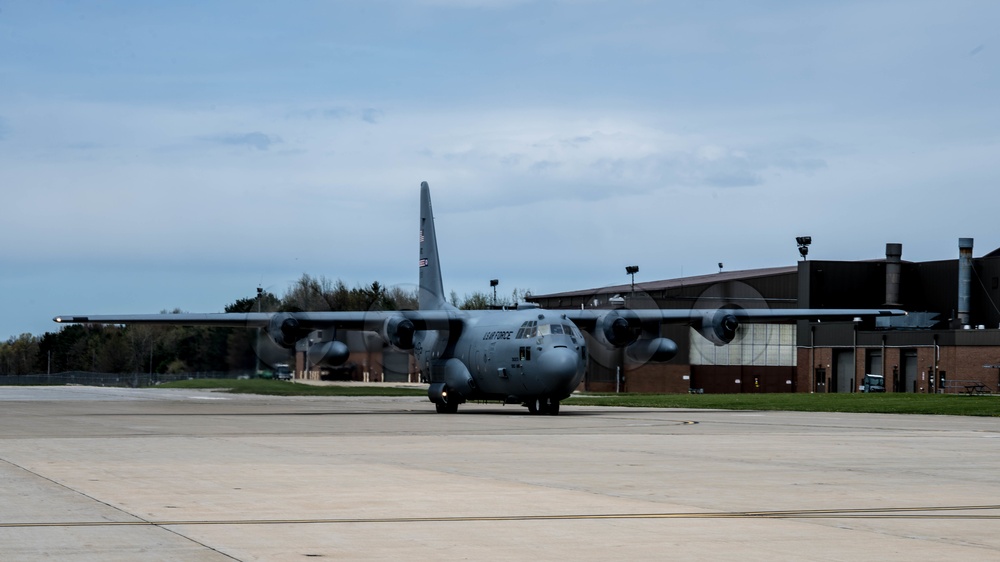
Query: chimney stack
x=893, y=266
x=964, y=279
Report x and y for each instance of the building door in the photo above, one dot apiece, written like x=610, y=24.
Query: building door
x=873, y=362
x=395, y=366
x=843, y=371
x=910, y=376
x=821, y=385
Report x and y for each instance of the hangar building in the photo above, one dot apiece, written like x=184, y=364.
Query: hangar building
x=950, y=342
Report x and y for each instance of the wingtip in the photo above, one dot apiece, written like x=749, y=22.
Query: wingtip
x=71, y=319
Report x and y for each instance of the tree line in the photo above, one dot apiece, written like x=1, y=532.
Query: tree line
x=186, y=349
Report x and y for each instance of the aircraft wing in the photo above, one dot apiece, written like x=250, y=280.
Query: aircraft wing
x=287, y=326
x=590, y=318
x=371, y=320
x=286, y=329
x=396, y=327
x=621, y=327
x=221, y=320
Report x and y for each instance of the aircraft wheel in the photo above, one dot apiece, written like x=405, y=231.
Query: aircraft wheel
x=536, y=406
x=553, y=407
x=543, y=406
x=445, y=407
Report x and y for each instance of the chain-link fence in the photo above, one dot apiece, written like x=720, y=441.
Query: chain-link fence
x=133, y=380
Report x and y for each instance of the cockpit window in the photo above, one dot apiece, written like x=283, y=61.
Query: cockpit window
x=568, y=329
x=532, y=329
x=527, y=330
x=547, y=329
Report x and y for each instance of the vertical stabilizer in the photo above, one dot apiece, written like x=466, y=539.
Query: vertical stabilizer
x=431, y=295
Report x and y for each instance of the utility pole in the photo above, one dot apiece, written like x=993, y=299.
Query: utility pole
x=256, y=354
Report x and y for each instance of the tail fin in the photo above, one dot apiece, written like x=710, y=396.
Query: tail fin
x=431, y=295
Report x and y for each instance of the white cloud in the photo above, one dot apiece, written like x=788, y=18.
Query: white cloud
x=147, y=174
x=561, y=140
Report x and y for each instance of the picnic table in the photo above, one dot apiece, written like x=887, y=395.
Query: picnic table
x=977, y=388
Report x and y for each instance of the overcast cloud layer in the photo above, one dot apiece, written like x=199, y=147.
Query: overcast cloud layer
x=179, y=154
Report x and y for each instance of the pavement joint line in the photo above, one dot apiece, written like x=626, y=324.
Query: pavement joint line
x=139, y=520
x=934, y=512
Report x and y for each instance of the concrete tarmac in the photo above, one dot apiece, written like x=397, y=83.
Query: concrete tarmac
x=105, y=474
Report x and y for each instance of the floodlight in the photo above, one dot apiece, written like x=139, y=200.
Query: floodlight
x=803, y=242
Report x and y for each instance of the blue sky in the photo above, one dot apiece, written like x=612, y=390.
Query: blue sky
x=160, y=155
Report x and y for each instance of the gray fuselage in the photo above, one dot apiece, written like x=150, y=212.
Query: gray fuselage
x=509, y=354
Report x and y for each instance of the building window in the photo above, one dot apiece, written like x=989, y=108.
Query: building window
x=757, y=345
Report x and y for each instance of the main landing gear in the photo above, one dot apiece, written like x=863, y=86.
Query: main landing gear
x=548, y=406
x=445, y=406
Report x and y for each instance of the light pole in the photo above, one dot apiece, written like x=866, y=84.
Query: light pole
x=632, y=270
x=619, y=376
x=494, y=283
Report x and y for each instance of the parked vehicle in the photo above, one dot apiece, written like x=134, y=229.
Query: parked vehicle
x=282, y=372
x=872, y=383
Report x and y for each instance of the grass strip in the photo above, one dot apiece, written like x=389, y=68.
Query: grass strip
x=283, y=388
x=888, y=403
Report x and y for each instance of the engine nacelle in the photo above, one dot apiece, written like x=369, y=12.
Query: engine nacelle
x=656, y=349
x=617, y=330
x=719, y=327
x=398, y=332
x=284, y=330
x=329, y=353
x=458, y=379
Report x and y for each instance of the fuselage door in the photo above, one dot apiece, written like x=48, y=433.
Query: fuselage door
x=484, y=357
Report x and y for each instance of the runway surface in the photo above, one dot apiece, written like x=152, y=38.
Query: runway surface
x=152, y=474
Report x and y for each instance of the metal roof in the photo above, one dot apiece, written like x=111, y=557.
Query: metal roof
x=676, y=283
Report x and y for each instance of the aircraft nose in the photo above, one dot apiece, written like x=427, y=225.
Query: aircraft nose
x=559, y=364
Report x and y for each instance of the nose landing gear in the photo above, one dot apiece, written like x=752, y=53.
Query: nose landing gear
x=446, y=407
x=445, y=402
x=541, y=405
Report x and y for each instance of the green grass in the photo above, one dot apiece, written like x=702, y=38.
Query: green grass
x=282, y=388
x=888, y=403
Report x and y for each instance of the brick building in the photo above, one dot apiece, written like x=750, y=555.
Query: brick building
x=950, y=342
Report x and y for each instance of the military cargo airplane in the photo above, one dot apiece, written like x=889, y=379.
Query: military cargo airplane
x=527, y=355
